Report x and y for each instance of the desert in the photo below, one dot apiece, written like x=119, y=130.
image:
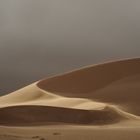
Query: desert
x=97, y=102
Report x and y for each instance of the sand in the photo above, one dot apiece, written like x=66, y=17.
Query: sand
x=100, y=102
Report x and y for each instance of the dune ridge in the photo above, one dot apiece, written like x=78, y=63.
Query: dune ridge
x=103, y=94
x=114, y=83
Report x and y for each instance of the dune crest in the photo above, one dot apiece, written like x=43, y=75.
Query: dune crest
x=115, y=83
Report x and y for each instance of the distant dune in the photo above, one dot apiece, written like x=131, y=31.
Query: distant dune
x=101, y=95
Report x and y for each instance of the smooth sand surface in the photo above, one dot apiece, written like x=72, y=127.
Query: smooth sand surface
x=100, y=102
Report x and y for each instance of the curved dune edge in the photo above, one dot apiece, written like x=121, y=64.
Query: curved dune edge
x=115, y=83
x=98, y=95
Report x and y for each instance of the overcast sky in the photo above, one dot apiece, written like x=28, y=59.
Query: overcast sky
x=39, y=38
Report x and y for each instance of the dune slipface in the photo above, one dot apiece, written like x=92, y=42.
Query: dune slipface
x=99, y=102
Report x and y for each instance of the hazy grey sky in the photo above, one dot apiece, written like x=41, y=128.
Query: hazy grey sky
x=39, y=38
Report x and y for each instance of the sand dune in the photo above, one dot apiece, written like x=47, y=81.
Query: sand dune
x=101, y=95
x=43, y=115
x=114, y=82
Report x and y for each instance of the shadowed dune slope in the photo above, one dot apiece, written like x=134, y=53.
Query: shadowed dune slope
x=92, y=78
x=42, y=115
x=114, y=82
